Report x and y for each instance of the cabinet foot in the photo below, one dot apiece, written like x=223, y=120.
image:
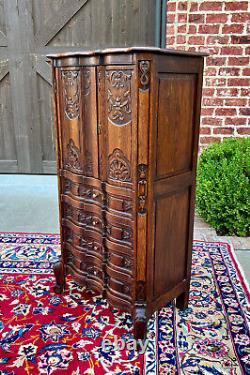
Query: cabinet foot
x=60, y=277
x=140, y=323
x=182, y=301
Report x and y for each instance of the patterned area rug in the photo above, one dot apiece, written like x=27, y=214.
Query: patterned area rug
x=43, y=333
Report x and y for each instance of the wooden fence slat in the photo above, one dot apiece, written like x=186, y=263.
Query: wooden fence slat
x=44, y=70
x=4, y=69
x=57, y=21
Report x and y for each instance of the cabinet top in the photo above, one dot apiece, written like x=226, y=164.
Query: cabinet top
x=107, y=51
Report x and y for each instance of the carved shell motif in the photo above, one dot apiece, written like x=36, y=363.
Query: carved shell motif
x=119, y=166
x=71, y=93
x=119, y=96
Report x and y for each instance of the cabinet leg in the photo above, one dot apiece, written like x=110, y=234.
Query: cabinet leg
x=60, y=277
x=140, y=323
x=182, y=300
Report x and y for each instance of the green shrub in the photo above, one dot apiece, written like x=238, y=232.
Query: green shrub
x=223, y=186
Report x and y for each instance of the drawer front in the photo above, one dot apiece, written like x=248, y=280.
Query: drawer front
x=84, y=240
x=119, y=204
x=88, y=191
x=87, y=266
x=120, y=262
x=120, y=286
x=119, y=229
x=82, y=218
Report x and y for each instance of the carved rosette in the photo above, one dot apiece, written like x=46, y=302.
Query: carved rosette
x=71, y=93
x=119, y=96
x=144, y=74
x=119, y=167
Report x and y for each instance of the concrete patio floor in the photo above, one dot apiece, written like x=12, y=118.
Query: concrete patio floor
x=28, y=203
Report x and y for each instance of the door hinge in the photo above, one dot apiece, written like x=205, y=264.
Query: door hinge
x=99, y=128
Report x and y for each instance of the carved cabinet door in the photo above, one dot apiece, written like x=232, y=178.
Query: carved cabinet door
x=81, y=196
x=117, y=140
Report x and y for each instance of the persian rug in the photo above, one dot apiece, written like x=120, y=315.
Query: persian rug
x=44, y=333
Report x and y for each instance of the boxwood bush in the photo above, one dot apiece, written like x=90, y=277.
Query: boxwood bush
x=223, y=186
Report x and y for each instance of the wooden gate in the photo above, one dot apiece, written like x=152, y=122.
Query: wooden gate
x=29, y=29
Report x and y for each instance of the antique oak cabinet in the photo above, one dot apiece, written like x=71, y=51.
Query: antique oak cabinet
x=127, y=125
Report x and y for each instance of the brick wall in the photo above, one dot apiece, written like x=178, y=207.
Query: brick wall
x=221, y=28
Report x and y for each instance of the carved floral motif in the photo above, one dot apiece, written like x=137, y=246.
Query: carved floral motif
x=71, y=93
x=73, y=156
x=119, y=166
x=119, y=96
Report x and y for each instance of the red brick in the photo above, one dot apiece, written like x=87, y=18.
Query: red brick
x=206, y=130
x=194, y=7
x=214, y=39
x=171, y=7
x=235, y=102
x=209, y=71
x=216, y=18
x=199, y=18
x=182, y=5
x=235, y=121
x=227, y=92
x=170, y=30
x=182, y=17
x=240, y=39
x=213, y=50
x=170, y=40
x=207, y=111
x=208, y=92
x=245, y=111
x=211, y=5
x=245, y=92
x=170, y=18
x=215, y=61
x=212, y=102
x=182, y=29
x=243, y=131
x=240, y=17
x=223, y=130
x=238, y=61
x=209, y=29
x=238, y=82
x=181, y=39
x=247, y=51
x=196, y=40
x=233, y=28
x=206, y=140
x=229, y=71
x=192, y=29
x=225, y=112
x=215, y=82
x=212, y=121
x=236, y=5
x=231, y=50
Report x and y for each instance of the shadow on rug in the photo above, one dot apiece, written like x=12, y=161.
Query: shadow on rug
x=41, y=332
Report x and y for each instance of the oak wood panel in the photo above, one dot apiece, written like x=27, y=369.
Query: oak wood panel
x=175, y=123
x=170, y=248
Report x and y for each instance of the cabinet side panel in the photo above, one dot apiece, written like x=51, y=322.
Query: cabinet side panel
x=175, y=153
x=175, y=123
x=170, y=241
